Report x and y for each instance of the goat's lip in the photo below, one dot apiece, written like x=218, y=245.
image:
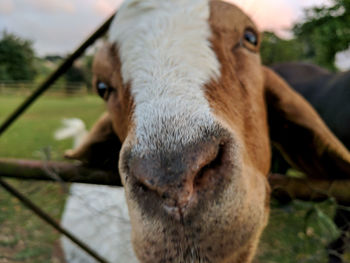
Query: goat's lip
x=179, y=210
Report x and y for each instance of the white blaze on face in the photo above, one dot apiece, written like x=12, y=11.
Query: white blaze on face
x=167, y=58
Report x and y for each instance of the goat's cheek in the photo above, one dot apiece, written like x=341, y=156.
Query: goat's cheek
x=245, y=201
x=243, y=214
x=119, y=114
x=257, y=201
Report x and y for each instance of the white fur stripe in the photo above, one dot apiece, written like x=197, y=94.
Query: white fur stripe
x=167, y=58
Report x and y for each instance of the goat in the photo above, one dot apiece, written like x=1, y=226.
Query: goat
x=190, y=116
x=329, y=94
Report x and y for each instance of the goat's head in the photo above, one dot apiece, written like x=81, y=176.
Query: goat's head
x=189, y=100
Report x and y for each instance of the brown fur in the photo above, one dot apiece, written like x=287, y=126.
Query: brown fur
x=224, y=223
x=107, y=68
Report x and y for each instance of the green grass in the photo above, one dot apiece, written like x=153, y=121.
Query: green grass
x=297, y=232
x=33, y=132
x=23, y=236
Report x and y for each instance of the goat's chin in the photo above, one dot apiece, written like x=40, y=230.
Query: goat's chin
x=224, y=229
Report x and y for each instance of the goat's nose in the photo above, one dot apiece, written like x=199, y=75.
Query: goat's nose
x=176, y=176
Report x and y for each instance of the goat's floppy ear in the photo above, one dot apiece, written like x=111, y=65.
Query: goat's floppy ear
x=100, y=148
x=300, y=134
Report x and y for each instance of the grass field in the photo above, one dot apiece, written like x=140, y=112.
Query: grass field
x=297, y=232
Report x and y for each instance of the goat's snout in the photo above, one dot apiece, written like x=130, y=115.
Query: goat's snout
x=176, y=177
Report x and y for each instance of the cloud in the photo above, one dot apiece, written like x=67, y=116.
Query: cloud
x=269, y=14
x=53, y=6
x=55, y=26
x=304, y=4
x=106, y=7
x=310, y=3
x=6, y=7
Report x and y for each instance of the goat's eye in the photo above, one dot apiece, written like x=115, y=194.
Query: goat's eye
x=251, y=37
x=103, y=90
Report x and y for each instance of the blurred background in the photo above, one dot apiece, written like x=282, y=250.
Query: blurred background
x=37, y=35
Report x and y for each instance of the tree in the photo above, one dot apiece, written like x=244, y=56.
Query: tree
x=275, y=49
x=81, y=71
x=16, y=58
x=75, y=74
x=325, y=32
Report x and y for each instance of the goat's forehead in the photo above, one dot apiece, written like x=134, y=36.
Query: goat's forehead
x=172, y=30
x=166, y=56
x=176, y=33
x=228, y=17
x=164, y=34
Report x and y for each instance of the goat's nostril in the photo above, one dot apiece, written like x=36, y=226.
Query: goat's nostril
x=165, y=196
x=214, y=162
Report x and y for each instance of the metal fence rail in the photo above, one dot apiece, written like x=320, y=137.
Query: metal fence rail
x=283, y=187
x=56, y=172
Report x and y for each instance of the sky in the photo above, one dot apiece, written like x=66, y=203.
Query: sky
x=59, y=26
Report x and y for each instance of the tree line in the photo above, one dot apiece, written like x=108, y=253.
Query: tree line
x=19, y=62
